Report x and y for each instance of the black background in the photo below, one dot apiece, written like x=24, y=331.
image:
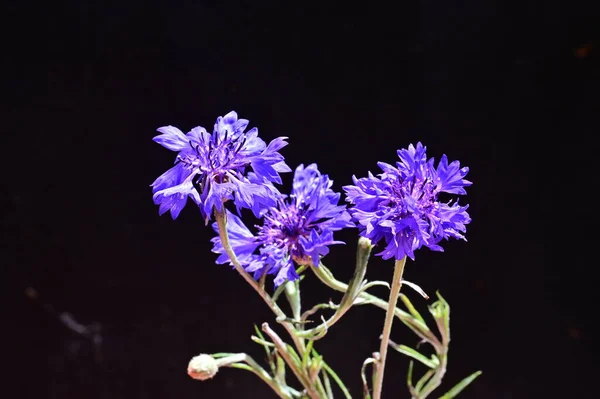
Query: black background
x=509, y=90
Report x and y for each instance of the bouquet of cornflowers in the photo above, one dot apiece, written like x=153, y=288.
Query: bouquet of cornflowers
x=398, y=209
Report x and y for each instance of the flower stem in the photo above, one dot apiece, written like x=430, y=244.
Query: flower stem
x=387, y=327
x=441, y=313
x=234, y=361
x=328, y=279
x=289, y=360
x=352, y=291
x=436, y=380
x=292, y=293
x=221, y=218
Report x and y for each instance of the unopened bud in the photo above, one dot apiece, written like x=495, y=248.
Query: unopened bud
x=202, y=367
x=315, y=368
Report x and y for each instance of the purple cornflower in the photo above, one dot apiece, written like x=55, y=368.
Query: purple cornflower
x=402, y=206
x=213, y=168
x=299, y=229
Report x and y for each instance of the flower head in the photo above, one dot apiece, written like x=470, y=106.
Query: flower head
x=402, y=206
x=214, y=168
x=203, y=367
x=299, y=229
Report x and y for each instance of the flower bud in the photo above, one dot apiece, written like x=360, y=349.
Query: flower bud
x=202, y=367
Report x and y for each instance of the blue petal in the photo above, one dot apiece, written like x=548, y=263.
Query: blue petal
x=286, y=273
x=451, y=177
x=276, y=145
x=171, y=138
x=242, y=241
x=216, y=194
x=263, y=169
x=401, y=208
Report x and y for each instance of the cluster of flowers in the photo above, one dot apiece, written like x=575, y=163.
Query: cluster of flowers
x=399, y=207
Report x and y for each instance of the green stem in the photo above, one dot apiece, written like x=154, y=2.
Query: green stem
x=436, y=380
x=387, y=326
x=320, y=388
x=292, y=292
x=290, y=361
x=441, y=313
x=328, y=279
x=221, y=218
x=234, y=361
x=337, y=379
x=350, y=294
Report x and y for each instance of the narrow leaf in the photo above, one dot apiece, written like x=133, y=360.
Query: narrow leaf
x=411, y=308
x=242, y=366
x=431, y=363
x=327, y=386
x=335, y=377
x=410, y=374
x=363, y=369
x=278, y=292
x=262, y=342
x=423, y=380
x=460, y=386
x=416, y=288
x=294, y=355
x=221, y=354
x=306, y=355
x=375, y=283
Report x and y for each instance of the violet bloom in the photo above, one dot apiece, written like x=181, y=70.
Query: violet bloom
x=214, y=168
x=298, y=230
x=402, y=206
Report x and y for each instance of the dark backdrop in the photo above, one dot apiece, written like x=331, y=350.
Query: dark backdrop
x=511, y=91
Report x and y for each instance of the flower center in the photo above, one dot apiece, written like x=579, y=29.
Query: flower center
x=411, y=196
x=283, y=227
x=215, y=159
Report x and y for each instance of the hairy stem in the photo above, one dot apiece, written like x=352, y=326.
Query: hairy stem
x=328, y=279
x=282, y=348
x=352, y=291
x=436, y=380
x=221, y=218
x=233, y=361
x=440, y=371
x=387, y=326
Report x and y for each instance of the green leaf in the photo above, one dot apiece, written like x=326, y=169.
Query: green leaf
x=363, y=377
x=278, y=292
x=219, y=355
x=460, y=386
x=241, y=366
x=335, y=377
x=258, y=332
x=265, y=344
x=279, y=368
x=410, y=374
x=292, y=352
x=364, y=248
x=327, y=384
x=300, y=269
x=292, y=293
x=440, y=308
x=411, y=308
x=431, y=363
x=423, y=380
x=356, y=282
x=415, y=287
x=314, y=368
x=306, y=355
x=375, y=283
